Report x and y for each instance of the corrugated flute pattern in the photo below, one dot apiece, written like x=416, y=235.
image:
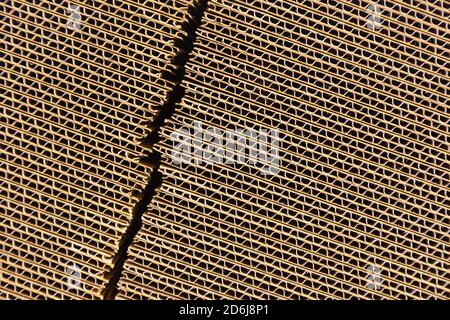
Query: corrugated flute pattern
x=347, y=197
x=80, y=87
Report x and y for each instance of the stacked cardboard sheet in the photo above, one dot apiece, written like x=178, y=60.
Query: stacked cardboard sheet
x=80, y=87
x=308, y=158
